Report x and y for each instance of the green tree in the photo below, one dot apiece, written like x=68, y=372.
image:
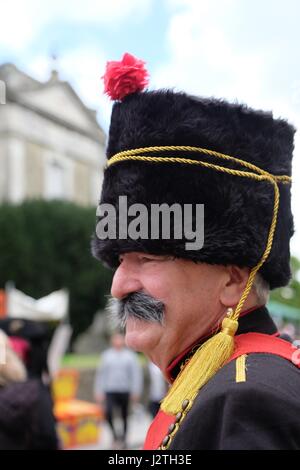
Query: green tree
x=45, y=246
x=290, y=295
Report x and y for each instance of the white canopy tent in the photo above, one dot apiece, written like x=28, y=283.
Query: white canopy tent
x=51, y=307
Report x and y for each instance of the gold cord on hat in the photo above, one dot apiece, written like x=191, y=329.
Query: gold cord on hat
x=256, y=173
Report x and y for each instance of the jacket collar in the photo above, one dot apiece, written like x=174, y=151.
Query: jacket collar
x=256, y=319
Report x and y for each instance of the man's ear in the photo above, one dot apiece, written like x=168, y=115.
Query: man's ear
x=234, y=284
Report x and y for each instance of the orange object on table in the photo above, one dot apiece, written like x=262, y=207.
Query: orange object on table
x=3, y=311
x=65, y=384
x=77, y=422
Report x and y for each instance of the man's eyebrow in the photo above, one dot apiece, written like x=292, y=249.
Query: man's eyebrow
x=166, y=257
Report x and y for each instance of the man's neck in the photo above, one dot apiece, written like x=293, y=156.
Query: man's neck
x=256, y=319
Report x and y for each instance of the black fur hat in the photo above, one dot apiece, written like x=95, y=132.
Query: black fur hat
x=237, y=211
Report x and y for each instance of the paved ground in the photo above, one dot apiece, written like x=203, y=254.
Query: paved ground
x=137, y=428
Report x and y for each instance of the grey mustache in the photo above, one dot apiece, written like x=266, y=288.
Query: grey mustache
x=137, y=305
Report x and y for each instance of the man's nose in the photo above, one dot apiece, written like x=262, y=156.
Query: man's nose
x=125, y=282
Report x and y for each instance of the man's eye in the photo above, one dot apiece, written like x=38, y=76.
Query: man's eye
x=148, y=259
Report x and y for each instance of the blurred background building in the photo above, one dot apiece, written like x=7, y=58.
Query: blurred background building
x=51, y=145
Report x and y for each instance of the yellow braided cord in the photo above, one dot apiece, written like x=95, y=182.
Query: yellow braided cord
x=261, y=176
x=265, y=255
x=128, y=154
x=189, y=161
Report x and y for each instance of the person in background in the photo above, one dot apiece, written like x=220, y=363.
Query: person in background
x=118, y=381
x=37, y=336
x=26, y=418
x=288, y=332
x=157, y=388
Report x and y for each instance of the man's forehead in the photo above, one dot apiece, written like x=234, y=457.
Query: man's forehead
x=148, y=254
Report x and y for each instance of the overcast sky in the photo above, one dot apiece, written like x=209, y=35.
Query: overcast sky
x=245, y=50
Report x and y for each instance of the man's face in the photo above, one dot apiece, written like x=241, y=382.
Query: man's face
x=189, y=293
x=117, y=341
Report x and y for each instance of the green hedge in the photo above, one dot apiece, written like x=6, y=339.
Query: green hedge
x=290, y=296
x=45, y=246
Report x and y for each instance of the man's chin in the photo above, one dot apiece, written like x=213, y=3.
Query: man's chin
x=141, y=335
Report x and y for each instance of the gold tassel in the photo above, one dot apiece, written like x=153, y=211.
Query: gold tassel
x=207, y=360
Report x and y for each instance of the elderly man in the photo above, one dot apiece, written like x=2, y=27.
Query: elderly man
x=199, y=313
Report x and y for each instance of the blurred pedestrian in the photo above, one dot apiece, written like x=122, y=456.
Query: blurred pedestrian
x=26, y=418
x=157, y=388
x=37, y=336
x=118, y=381
x=288, y=332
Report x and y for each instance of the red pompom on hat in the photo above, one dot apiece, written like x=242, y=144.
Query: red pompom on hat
x=124, y=77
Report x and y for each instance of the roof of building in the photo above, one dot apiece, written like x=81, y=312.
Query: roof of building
x=54, y=99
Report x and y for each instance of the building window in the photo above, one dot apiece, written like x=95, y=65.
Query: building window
x=55, y=187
